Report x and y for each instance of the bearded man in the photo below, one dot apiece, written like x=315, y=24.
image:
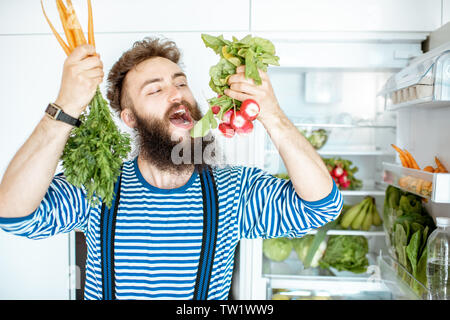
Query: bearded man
x=172, y=230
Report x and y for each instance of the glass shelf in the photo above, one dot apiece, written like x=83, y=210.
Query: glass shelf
x=340, y=125
x=385, y=279
x=343, y=152
x=432, y=186
x=376, y=232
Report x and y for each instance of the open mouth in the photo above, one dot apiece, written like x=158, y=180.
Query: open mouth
x=181, y=118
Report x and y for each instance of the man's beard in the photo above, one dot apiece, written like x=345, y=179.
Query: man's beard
x=156, y=145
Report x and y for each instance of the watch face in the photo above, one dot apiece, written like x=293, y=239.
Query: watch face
x=51, y=110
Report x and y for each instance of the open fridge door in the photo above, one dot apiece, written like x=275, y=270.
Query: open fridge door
x=344, y=109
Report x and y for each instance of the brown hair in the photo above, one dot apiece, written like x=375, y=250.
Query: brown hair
x=141, y=51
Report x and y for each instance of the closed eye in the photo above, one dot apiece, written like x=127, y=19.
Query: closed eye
x=153, y=92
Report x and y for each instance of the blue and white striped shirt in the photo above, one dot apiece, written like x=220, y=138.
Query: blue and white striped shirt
x=158, y=233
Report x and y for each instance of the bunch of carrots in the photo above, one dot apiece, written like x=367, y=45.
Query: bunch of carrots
x=408, y=161
x=71, y=25
x=413, y=184
x=94, y=152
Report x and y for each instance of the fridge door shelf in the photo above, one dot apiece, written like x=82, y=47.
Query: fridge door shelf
x=399, y=280
x=425, y=82
x=432, y=186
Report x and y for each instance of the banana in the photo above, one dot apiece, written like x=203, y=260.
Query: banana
x=350, y=214
x=357, y=222
x=367, y=223
x=376, y=219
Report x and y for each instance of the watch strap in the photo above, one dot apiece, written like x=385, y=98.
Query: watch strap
x=55, y=112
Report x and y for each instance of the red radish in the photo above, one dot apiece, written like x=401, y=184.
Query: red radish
x=215, y=109
x=343, y=180
x=226, y=118
x=226, y=130
x=337, y=172
x=241, y=125
x=250, y=109
x=346, y=184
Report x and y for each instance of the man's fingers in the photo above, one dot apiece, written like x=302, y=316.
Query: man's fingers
x=240, y=69
x=81, y=52
x=240, y=77
x=90, y=63
x=237, y=95
x=244, y=88
x=94, y=73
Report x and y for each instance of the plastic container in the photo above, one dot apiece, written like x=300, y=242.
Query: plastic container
x=438, y=264
x=425, y=81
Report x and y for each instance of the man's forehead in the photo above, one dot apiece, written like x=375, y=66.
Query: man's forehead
x=152, y=68
x=157, y=67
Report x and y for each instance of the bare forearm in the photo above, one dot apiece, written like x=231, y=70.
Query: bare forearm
x=305, y=167
x=30, y=172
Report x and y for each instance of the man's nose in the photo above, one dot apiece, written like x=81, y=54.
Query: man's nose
x=175, y=94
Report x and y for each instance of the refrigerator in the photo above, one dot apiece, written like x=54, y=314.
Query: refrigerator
x=365, y=94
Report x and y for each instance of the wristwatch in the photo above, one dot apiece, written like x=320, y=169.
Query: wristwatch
x=56, y=113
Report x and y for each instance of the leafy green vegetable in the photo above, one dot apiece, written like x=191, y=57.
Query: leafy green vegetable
x=410, y=203
x=412, y=250
x=346, y=253
x=421, y=270
x=277, y=249
x=253, y=52
x=95, y=151
x=408, y=225
x=317, y=138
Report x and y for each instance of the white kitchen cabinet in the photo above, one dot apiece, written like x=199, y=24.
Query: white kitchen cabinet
x=445, y=11
x=25, y=16
x=36, y=269
x=346, y=15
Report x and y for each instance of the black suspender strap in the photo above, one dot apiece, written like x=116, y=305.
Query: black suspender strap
x=107, y=233
x=210, y=226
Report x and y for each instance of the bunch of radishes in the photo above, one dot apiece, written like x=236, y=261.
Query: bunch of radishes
x=340, y=176
x=238, y=121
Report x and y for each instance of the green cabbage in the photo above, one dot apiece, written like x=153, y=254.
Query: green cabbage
x=277, y=249
x=346, y=253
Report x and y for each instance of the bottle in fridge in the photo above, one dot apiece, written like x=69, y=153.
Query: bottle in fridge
x=438, y=264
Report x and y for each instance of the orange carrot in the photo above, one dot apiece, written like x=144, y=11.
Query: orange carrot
x=91, y=39
x=412, y=160
x=405, y=162
x=428, y=169
x=74, y=25
x=58, y=37
x=63, y=15
x=440, y=165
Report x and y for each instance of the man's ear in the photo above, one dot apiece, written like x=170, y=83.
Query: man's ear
x=128, y=117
